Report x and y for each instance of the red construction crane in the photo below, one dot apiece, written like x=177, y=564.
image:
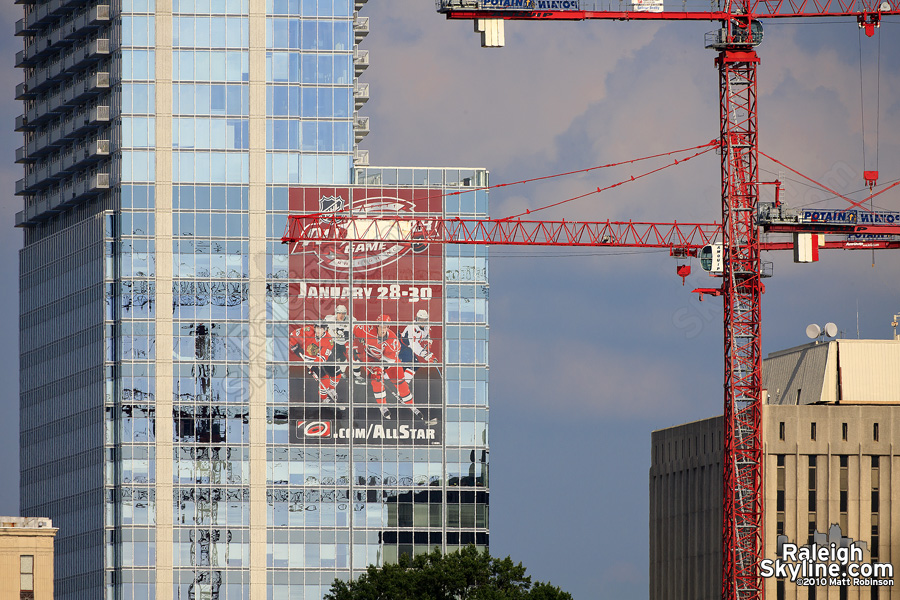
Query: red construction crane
x=735, y=41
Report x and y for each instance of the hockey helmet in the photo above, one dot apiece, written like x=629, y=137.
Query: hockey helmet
x=422, y=315
x=341, y=309
x=384, y=318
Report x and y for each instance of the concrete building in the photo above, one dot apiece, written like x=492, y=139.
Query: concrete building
x=171, y=423
x=831, y=429
x=26, y=558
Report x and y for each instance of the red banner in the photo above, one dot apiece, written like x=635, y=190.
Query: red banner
x=365, y=325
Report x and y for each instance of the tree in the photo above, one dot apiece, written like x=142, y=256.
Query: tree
x=465, y=575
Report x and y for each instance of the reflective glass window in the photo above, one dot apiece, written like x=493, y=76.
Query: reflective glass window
x=215, y=7
x=210, y=65
x=139, y=98
x=210, y=32
x=214, y=134
x=138, y=31
x=138, y=132
x=211, y=99
x=138, y=64
x=138, y=166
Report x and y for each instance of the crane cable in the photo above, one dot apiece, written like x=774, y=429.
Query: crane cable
x=713, y=145
x=871, y=182
x=862, y=102
x=708, y=145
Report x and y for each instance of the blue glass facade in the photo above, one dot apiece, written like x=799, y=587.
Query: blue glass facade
x=159, y=388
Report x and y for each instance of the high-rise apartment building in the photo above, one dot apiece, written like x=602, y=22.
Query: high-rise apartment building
x=205, y=411
x=830, y=430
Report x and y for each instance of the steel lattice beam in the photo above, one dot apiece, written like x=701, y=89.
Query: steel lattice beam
x=742, y=542
x=437, y=230
x=348, y=227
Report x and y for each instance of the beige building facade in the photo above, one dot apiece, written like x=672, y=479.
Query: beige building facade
x=26, y=558
x=831, y=432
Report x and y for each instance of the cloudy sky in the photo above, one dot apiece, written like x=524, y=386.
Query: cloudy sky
x=592, y=350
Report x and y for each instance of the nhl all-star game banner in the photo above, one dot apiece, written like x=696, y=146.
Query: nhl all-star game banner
x=365, y=327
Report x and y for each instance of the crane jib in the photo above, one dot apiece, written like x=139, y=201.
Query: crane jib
x=867, y=12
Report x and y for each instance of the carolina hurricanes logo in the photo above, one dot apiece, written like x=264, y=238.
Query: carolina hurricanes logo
x=314, y=429
x=359, y=256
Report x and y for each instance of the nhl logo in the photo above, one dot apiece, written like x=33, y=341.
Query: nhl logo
x=331, y=204
x=368, y=256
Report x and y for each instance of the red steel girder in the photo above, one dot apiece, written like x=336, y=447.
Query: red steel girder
x=437, y=230
x=742, y=542
x=344, y=227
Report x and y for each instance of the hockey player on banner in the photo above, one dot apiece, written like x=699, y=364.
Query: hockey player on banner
x=380, y=349
x=315, y=345
x=340, y=326
x=416, y=346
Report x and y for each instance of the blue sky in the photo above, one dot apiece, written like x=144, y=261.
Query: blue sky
x=592, y=350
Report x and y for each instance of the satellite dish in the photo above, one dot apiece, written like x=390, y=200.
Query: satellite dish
x=813, y=331
x=831, y=329
x=885, y=7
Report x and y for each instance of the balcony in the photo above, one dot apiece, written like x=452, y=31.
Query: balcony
x=85, y=121
x=78, y=124
x=22, y=92
x=78, y=91
x=71, y=192
x=360, y=61
x=65, y=65
x=81, y=155
x=360, y=128
x=360, y=94
x=94, y=51
x=22, y=124
x=86, y=23
x=360, y=27
x=360, y=158
x=93, y=85
x=22, y=156
x=70, y=160
x=70, y=31
x=76, y=190
x=23, y=28
x=49, y=10
x=23, y=60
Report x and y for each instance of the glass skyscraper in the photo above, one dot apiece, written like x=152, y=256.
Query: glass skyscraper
x=207, y=413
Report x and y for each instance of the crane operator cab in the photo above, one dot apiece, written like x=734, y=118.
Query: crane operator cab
x=741, y=35
x=750, y=36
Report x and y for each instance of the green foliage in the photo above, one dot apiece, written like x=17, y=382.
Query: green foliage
x=464, y=575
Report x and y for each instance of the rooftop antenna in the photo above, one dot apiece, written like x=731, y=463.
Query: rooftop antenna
x=857, y=318
x=814, y=332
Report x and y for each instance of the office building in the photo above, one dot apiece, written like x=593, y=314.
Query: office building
x=830, y=427
x=26, y=558
x=192, y=418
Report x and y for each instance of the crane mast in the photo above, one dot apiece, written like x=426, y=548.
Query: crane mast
x=742, y=510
